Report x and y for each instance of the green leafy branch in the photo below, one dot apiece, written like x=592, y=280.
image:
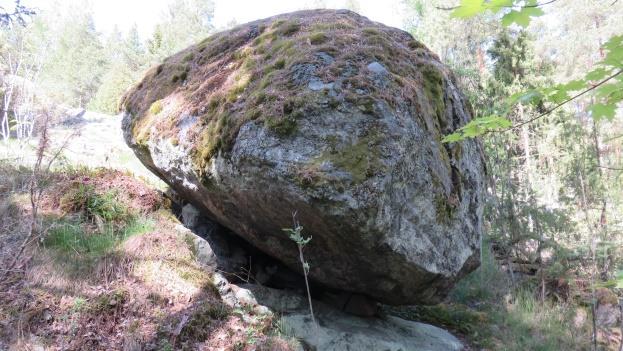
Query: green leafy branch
x=521, y=12
x=494, y=123
x=296, y=236
x=606, y=81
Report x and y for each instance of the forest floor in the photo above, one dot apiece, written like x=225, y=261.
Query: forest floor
x=111, y=267
x=111, y=270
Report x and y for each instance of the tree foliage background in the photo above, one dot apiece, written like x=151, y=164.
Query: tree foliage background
x=81, y=67
x=545, y=80
x=546, y=83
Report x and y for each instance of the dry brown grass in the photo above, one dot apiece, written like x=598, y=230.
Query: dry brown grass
x=148, y=292
x=128, y=190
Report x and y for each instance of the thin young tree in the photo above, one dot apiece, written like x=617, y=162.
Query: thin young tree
x=296, y=234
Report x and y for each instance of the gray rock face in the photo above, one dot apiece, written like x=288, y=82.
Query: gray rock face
x=342, y=135
x=190, y=216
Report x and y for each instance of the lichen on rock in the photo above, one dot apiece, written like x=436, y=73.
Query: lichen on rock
x=334, y=117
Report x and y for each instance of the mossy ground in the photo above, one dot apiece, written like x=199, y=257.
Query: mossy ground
x=226, y=80
x=489, y=314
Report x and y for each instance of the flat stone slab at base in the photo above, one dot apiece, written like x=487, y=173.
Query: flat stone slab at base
x=338, y=331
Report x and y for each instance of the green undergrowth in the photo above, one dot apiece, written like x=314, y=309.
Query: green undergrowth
x=490, y=314
x=85, y=200
x=112, y=256
x=94, y=223
x=78, y=250
x=71, y=238
x=107, y=302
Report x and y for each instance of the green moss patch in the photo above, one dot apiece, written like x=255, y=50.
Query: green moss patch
x=108, y=302
x=433, y=88
x=210, y=141
x=361, y=159
x=156, y=107
x=444, y=208
x=201, y=321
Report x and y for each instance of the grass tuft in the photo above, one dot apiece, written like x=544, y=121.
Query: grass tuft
x=71, y=238
x=199, y=323
x=318, y=38
x=289, y=28
x=156, y=107
x=285, y=126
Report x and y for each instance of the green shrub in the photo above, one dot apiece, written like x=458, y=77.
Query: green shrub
x=189, y=56
x=282, y=126
x=289, y=28
x=84, y=199
x=318, y=38
x=280, y=63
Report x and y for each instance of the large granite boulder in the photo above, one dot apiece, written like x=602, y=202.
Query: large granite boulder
x=333, y=117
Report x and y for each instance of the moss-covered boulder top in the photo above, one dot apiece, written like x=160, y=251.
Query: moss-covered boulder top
x=332, y=116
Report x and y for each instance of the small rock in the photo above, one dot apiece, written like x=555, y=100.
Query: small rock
x=245, y=297
x=262, y=310
x=205, y=254
x=607, y=315
x=316, y=85
x=325, y=58
x=377, y=68
x=47, y=315
x=303, y=72
x=190, y=216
